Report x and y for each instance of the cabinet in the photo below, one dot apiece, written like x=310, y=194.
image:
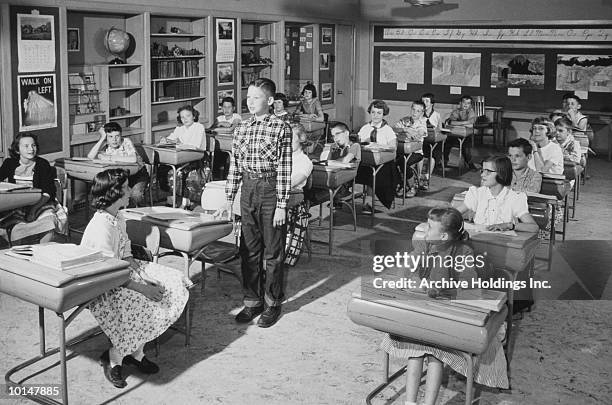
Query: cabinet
x=178, y=69
x=257, y=54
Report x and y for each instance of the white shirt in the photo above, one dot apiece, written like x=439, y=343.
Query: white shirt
x=506, y=207
x=384, y=136
x=194, y=135
x=300, y=166
x=234, y=117
x=552, y=152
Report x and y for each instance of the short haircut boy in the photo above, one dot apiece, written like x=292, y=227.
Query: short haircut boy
x=112, y=127
x=523, y=144
x=266, y=85
x=283, y=98
x=341, y=126
x=565, y=122
x=467, y=97
x=228, y=99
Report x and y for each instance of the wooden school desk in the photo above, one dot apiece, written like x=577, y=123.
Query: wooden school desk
x=58, y=291
x=332, y=178
x=173, y=156
x=85, y=169
x=181, y=231
x=375, y=159
x=14, y=196
x=430, y=321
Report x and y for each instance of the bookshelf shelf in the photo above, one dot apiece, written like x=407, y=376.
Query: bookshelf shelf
x=126, y=88
x=123, y=65
x=177, y=78
x=125, y=116
x=257, y=43
x=172, y=35
x=178, y=100
x=163, y=126
x=178, y=57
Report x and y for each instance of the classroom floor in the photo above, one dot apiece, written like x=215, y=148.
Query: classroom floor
x=560, y=352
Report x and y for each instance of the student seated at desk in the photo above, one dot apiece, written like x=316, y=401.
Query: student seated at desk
x=24, y=166
x=310, y=106
x=343, y=149
x=571, y=107
x=572, y=151
x=230, y=120
x=148, y=304
x=122, y=149
x=412, y=129
x=494, y=204
x=524, y=179
x=547, y=156
x=297, y=216
x=433, y=121
x=279, y=108
x=463, y=115
x=377, y=133
x=189, y=132
x=444, y=237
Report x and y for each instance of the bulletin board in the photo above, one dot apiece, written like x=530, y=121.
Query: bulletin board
x=327, y=62
x=523, y=68
x=36, y=77
x=225, y=65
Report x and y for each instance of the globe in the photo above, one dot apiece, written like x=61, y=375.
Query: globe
x=116, y=42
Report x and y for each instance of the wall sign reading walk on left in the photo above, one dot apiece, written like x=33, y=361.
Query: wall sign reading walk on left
x=37, y=102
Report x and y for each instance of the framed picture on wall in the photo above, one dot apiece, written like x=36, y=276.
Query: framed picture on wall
x=225, y=73
x=324, y=61
x=74, y=40
x=326, y=35
x=326, y=91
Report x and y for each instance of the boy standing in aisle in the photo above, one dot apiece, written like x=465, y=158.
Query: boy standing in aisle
x=261, y=160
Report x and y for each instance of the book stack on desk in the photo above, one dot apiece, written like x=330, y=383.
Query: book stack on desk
x=64, y=256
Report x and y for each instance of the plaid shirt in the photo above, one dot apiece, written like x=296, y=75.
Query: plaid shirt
x=529, y=180
x=261, y=147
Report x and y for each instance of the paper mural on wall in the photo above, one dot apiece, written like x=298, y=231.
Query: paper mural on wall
x=402, y=67
x=226, y=48
x=517, y=70
x=584, y=73
x=35, y=43
x=455, y=69
x=37, y=102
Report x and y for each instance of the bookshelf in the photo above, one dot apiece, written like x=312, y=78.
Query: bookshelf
x=257, y=54
x=178, y=69
x=112, y=92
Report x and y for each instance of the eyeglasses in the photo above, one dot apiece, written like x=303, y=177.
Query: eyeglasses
x=487, y=171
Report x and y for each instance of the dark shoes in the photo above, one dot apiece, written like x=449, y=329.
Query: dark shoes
x=112, y=374
x=248, y=314
x=269, y=317
x=144, y=366
x=367, y=209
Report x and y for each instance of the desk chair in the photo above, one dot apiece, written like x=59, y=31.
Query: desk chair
x=573, y=171
x=584, y=138
x=462, y=133
x=558, y=186
x=148, y=158
x=486, y=125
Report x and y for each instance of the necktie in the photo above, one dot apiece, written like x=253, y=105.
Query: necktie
x=373, y=134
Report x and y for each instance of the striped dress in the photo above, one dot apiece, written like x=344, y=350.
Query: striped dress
x=490, y=367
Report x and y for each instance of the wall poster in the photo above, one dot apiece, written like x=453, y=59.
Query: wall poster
x=402, y=67
x=455, y=69
x=35, y=43
x=517, y=70
x=37, y=102
x=591, y=73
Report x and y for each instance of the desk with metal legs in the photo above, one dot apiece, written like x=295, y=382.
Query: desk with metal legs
x=375, y=159
x=183, y=232
x=332, y=179
x=174, y=156
x=58, y=291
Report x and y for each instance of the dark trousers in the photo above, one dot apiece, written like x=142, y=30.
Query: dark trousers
x=261, y=240
x=466, y=151
x=412, y=160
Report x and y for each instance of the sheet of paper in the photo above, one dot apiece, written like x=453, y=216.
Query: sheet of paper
x=402, y=86
x=455, y=89
x=514, y=91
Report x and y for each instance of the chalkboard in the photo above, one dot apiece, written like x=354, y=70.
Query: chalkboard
x=405, y=45
x=46, y=85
